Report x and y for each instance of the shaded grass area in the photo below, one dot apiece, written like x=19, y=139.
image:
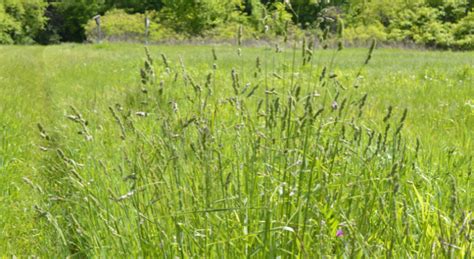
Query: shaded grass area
x=211, y=167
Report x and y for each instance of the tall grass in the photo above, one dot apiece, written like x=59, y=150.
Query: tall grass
x=278, y=159
x=229, y=152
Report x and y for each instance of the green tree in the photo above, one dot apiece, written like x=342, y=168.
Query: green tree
x=21, y=20
x=306, y=12
x=135, y=6
x=75, y=14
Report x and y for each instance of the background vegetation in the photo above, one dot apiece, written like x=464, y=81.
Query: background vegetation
x=112, y=150
x=431, y=23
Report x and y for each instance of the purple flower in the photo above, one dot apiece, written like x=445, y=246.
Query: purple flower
x=334, y=105
x=339, y=233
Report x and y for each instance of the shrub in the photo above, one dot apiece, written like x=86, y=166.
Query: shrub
x=119, y=25
x=363, y=33
x=229, y=31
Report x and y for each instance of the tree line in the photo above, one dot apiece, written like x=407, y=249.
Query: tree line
x=438, y=23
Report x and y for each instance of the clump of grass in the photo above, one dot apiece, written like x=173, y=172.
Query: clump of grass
x=276, y=160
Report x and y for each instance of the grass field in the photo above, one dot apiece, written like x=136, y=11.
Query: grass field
x=231, y=157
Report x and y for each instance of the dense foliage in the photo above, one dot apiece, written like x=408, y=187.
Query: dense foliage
x=20, y=20
x=433, y=23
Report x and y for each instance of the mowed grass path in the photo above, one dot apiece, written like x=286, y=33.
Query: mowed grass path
x=37, y=84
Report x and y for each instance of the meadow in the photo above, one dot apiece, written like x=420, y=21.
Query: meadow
x=226, y=152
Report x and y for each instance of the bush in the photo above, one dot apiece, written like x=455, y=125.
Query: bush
x=230, y=30
x=119, y=25
x=363, y=33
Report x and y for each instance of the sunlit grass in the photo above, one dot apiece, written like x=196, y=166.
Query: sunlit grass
x=215, y=170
